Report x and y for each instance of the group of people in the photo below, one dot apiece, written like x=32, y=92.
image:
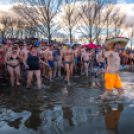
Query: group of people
x=20, y=58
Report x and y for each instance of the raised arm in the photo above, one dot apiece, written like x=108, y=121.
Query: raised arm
x=106, y=54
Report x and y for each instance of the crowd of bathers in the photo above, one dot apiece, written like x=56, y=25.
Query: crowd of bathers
x=42, y=59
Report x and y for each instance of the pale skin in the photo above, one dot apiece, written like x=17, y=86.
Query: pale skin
x=113, y=67
x=102, y=60
x=32, y=72
x=82, y=51
x=86, y=56
x=92, y=59
x=49, y=57
x=15, y=62
x=68, y=55
x=41, y=55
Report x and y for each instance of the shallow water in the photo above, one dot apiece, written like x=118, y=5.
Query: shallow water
x=61, y=109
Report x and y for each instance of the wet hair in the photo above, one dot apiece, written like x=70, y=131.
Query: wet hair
x=14, y=48
x=32, y=47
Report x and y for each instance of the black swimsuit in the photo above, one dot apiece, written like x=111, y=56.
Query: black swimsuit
x=86, y=62
x=33, y=62
x=11, y=58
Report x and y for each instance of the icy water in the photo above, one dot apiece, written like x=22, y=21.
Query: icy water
x=61, y=109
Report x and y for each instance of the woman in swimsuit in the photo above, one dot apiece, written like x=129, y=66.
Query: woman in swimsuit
x=1, y=60
x=32, y=66
x=13, y=60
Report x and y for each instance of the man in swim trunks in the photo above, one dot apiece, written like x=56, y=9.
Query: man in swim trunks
x=101, y=62
x=48, y=55
x=68, y=55
x=86, y=57
x=112, y=78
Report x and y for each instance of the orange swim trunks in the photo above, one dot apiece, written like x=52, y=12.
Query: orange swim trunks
x=112, y=81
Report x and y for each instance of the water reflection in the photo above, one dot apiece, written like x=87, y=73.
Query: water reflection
x=58, y=109
x=112, y=118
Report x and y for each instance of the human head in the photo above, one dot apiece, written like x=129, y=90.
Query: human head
x=33, y=49
x=116, y=47
x=9, y=42
x=50, y=46
x=14, y=49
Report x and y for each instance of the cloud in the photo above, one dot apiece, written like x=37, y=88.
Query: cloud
x=128, y=9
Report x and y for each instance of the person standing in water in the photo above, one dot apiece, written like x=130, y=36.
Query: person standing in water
x=33, y=61
x=112, y=78
x=86, y=57
x=13, y=65
x=68, y=55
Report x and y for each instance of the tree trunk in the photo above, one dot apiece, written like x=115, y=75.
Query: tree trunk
x=70, y=35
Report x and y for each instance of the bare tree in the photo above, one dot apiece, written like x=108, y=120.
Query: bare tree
x=91, y=19
x=119, y=22
x=4, y=21
x=69, y=17
x=42, y=13
x=108, y=18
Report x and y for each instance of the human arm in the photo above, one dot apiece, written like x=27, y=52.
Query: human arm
x=41, y=61
x=61, y=57
x=25, y=59
x=106, y=54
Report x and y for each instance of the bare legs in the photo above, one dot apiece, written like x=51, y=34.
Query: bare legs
x=11, y=71
x=69, y=71
x=30, y=77
x=108, y=92
x=55, y=68
x=17, y=72
x=86, y=65
x=38, y=76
